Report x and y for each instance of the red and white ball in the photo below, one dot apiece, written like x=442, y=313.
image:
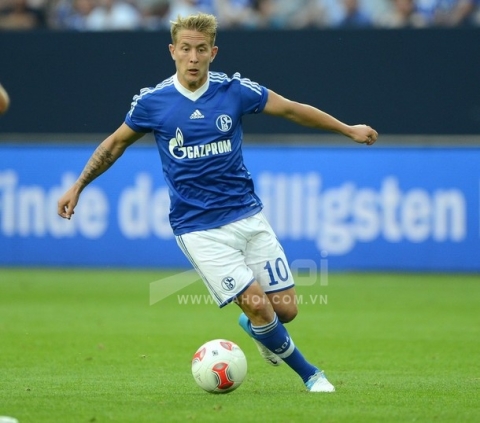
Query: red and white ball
x=219, y=366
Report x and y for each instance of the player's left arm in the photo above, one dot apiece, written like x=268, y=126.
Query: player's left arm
x=4, y=100
x=307, y=115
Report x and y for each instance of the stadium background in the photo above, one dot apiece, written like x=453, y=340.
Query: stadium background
x=411, y=202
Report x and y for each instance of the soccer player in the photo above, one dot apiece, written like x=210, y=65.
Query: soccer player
x=215, y=214
x=4, y=100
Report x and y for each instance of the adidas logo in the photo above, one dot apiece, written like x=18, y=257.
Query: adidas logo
x=197, y=115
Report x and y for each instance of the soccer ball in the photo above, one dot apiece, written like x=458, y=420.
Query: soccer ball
x=219, y=366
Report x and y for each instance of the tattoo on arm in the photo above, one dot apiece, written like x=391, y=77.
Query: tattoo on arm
x=100, y=161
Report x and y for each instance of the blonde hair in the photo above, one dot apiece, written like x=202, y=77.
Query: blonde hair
x=202, y=22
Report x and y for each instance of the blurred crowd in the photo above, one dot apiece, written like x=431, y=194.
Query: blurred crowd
x=132, y=15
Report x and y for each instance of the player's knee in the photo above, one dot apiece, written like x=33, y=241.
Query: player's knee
x=257, y=308
x=288, y=314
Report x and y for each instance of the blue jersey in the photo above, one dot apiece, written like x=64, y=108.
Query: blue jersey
x=199, y=137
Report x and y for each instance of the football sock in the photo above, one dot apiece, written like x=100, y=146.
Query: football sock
x=276, y=338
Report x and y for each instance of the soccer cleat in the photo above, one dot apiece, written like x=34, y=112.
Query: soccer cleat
x=270, y=357
x=319, y=383
x=267, y=355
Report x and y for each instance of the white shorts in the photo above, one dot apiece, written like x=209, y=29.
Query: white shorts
x=231, y=257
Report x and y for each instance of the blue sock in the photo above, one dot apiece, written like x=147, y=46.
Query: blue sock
x=276, y=338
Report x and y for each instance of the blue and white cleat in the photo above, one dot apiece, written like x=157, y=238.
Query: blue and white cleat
x=319, y=383
x=270, y=357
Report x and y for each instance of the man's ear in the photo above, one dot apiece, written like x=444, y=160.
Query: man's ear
x=214, y=53
x=171, y=48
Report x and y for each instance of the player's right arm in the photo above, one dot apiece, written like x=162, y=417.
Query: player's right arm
x=102, y=159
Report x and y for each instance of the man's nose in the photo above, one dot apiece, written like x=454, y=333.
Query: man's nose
x=193, y=57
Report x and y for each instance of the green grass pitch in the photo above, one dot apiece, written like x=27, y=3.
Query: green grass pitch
x=84, y=346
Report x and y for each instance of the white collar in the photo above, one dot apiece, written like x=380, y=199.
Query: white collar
x=192, y=95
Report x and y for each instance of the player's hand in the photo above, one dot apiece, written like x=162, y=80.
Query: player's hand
x=67, y=203
x=363, y=134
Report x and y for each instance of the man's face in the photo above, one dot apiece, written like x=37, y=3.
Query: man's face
x=192, y=54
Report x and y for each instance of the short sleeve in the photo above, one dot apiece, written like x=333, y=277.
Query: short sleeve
x=138, y=117
x=254, y=96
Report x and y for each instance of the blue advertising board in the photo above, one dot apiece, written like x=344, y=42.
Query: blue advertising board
x=359, y=208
